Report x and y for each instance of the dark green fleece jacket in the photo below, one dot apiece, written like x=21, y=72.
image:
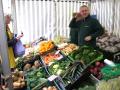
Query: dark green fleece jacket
x=86, y=27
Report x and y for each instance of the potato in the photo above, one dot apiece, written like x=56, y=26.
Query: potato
x=54, y=88
x=27, y=67
x=21, y=74
x=37, y=64
x=21, y=79
x=16, y=84
x=22, y=84
x=33, y=67
x=15, y=78
x=44, y=88
x=16, y=73
x=50, y=88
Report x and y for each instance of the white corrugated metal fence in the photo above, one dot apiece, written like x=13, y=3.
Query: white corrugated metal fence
x=108, y=13
x=50, y=18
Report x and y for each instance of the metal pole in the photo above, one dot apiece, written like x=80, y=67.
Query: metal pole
x=4, y=49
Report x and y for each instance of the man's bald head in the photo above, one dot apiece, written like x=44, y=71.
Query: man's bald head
x=84, y=11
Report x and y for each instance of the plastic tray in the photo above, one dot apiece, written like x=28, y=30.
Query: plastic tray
x=54, y=58
x=116, y=58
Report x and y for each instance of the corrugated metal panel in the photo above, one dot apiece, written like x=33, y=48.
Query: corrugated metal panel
x=35, y=18
x=108, y=13
x=104, y=11
x=64, y=15
x=116, y=30
x=48, y=18
x=38, y=18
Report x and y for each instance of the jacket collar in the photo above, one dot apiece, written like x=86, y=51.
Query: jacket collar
x=86, y=18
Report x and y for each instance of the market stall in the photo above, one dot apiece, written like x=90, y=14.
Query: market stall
x=74, y=64
x=57, y=64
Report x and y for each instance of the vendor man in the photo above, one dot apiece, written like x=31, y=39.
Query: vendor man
x=86, y=27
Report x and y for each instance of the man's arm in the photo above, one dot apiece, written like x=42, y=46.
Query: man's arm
x=72, y=23
x=98, y=29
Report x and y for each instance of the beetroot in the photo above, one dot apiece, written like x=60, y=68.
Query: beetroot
x=98, y=69
x=91, y=70
x=97, y=63
x=101, y=65
x=95, y=69
x=95, y=73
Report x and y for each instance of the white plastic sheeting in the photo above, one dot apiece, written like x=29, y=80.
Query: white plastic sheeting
x=64, y=11
x=108, y=13
x=36, y=18
x=50, y=18
x=116, y=23
x=104, y=11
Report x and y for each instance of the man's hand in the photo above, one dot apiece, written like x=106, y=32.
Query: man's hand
x=75, y=14
x=78, y=18
x=88, y=38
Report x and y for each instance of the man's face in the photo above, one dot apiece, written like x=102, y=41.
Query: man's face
x=84, y=11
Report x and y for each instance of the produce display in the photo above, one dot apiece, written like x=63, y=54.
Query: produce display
x=18, y=79
x=96, y=69
x=60, y=39
x=45, y=46
x=109, y=42
x=112, y=84
x=69, y=48
x=20, y=61
x=110, y=72
x=86, y=55
x=35, y=65
x=50, y=57
x=73, y=73
x=59, y=68
x=69, y=71
x=70, y=62
x=30, y=57
x=29, y=61
x=35, y=77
